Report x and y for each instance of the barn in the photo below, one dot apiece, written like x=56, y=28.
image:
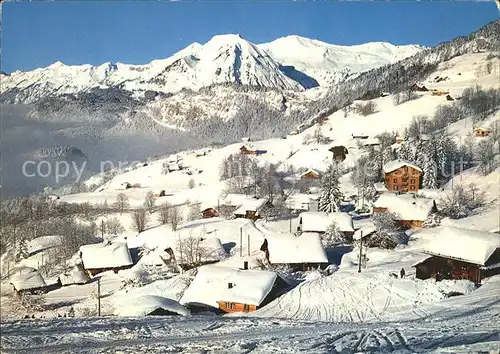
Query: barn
x=410, y=211
x=233, y=289
x=318, y=221
x=402, y=176
x=457, y=253
x=303, y=252
x=100, y=257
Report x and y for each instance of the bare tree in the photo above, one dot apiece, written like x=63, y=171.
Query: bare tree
x=121, y=202
x=191, y=251
x=114, y=226
x=175, y=218
x=461, y=201
x=194, y=212
x=164, y=214
x=388, y=234
x=488, y=152
x=149, y=201
x=366, y=109
x=140, y=219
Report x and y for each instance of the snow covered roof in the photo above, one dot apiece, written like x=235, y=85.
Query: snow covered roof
x=211, y=285
x=25, y=278
x=380, y=187
x=395, y=164
x=317, y=221
x=145, y=304
x=74, y=276
x=405, y=206
x=367, y=230
x=311, y=170
x=300, y=201
x=463, y=244
x=101, y=255
x=251, y=205
x=42, y=243
x=306, y=248
x=371, y=141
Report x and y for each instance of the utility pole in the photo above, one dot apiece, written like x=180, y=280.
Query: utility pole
x=241, y=241
x=290, y=223
x=102, y=229
x=360, y=252
x=99, y=297
x=248, y=243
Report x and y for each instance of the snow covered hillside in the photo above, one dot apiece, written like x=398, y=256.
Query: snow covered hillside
x=223, y=59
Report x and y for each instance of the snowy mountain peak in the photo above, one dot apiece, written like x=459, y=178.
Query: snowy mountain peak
x=288, y=63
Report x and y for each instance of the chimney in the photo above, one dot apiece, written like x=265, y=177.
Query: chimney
x=245, y=265
x=229, y=285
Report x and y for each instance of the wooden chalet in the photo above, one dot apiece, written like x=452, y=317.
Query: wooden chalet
x=402, y=176
x=457, y=253
x=251, y=208
x=400, y=139
x=233, y=289
x=339, y=152
x=209, y=213
x=416, y=87
x=27, y=280
x=310, y=174
x=410, y=211
x=101, y=257
x=481, y=132
x=303, y=252
x=319, y=222
x=245, y=150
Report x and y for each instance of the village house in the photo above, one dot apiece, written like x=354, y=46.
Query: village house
x=366, y=231
x=302, y=202
x=339, y=153
x=457, y=253
x=100, y=257
x=232, y=289
x=400, y=139
x=410, y=211
x=320, y=222
x=76, y=275
x=371, y=142
x=209, y=213
x=380, y=188
x=359, y=136
x=303, y=252
x=481, y=131
x=27, y=280
x=251, y=208
x=310, y=174
x=247, y=151
x=402, y=176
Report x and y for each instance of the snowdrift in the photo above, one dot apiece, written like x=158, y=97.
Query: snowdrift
x=146, y=304
x=360, y=298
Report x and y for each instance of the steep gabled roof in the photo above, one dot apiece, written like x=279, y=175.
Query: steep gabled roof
x=395, y=164
x=25, y=278
x=251, y=205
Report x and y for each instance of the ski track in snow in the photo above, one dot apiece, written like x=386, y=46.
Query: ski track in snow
x=161, y=334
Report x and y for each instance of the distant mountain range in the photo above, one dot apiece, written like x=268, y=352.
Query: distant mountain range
x=288, y=63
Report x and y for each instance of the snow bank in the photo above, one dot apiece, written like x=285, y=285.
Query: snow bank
x=25, y=278
x=145, y=304
x=359, y=298
x=42, y=243
x=211, y=285
x=100, y=255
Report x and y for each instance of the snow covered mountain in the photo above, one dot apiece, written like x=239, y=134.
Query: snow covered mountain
x=290, y=63
x=327, y=63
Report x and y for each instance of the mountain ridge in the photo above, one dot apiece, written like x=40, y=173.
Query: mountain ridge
x=226, y=58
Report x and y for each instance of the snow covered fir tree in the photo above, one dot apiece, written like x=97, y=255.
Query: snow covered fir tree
x=331, y=196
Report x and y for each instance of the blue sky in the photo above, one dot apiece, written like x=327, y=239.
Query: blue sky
x=38, y=34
